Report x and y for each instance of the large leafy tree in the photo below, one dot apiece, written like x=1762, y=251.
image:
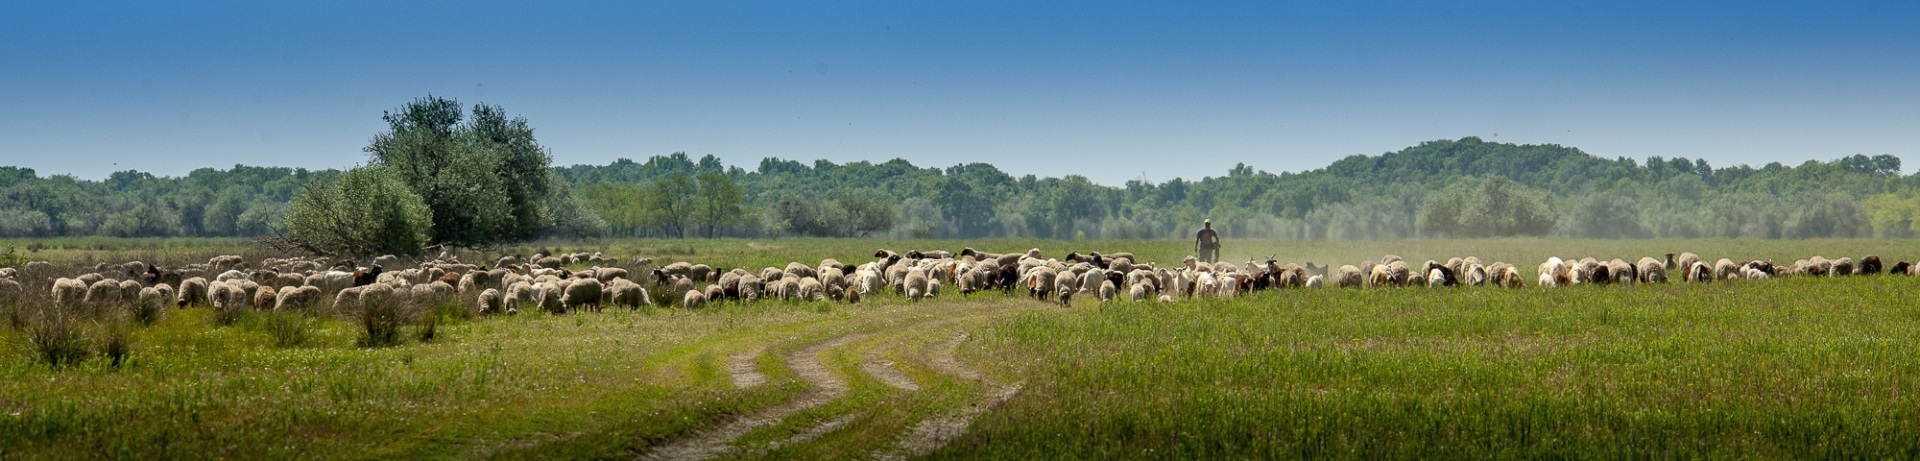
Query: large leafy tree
x=718, y=205
x=670, y=204
x=485, y=180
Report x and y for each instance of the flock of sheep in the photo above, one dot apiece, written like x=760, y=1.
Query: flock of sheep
x=552, y=283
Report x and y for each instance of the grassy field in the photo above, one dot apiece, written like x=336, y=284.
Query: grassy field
x=1790, y=368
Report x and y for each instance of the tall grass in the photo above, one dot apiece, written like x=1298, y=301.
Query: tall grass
x=1797, y=368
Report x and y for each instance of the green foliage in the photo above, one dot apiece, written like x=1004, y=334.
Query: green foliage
x=1492, y=207
x=718, y=204
x=476, y=169
x=55, y=334
x=485, y=181
x=369, y=211
x=669, y=204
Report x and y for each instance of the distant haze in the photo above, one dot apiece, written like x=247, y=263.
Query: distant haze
x=1110, y=91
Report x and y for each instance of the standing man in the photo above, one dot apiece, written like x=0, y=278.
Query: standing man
x=1207, y=243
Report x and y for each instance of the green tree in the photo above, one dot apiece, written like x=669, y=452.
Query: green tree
x=859, y=214
x=1490, y=207
x=369, y=211
x=670, y=204
x=718, y=205
x=486, y=180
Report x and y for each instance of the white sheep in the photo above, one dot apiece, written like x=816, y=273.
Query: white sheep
x=491, y=301
x=623, y=292
x=192, y=291
x=916, y=283
x=103, y=293
x=1348, y=277
x=291, y=297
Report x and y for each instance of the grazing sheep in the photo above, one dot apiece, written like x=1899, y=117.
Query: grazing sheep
x=265, y=299
x=11, y=290
x=1725, y=269
x=387, y=260
x=1869, y=265
x=623, y=292
x=1651, y=271
x=1137, y=293
x=149, y=302
x=492, y=302
x=1900, y=268
x=851, y=295
x=1686, y=261
x=693, y=299
x=1476, y=275
x=223, y=295
x=1842, y=266
x=1379, y=277
x=192, y=291
x=550, y=294
x=1699, y=272
x=1623, y=272
x=1347, y=277
x=103, y=293
x=1039, y=281
x=1401, y=273
x=225, y=262
x=1066, y=288
x=810, y=289
x=291, y=297
x=608, y=274
x=1316, y=281
x=1107, y=290
x=1555, y=272
x=1505, y=275
x=917, y=284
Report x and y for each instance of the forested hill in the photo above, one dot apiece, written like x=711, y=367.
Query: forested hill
x=1447, y=188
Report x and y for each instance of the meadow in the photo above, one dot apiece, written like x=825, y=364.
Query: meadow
x=1784, y=368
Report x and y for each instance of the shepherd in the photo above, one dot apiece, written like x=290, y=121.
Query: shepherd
x=1207, y=243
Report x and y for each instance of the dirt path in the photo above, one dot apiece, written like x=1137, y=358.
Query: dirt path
x=888, y=373
x=805, y=363
x=744, y=371
x=933, y=433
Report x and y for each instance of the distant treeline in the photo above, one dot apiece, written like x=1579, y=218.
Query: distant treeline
x=1448, y=188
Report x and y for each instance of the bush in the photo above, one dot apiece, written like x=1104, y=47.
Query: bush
x=55, y=335
x=381, y=320
x=288, y=328
x=117, y=339
x=370, y=211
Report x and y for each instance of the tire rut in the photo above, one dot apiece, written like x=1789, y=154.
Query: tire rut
x=933, y=433
x=743, y=370
x=888, y=373
x=805, y=363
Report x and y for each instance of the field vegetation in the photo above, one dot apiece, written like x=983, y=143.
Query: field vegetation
x=1787, y=368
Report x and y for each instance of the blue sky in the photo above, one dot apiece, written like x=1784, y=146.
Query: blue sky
x=1110, y=90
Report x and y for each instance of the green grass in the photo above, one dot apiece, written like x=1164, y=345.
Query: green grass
x=1801, y=368
x=1791, y=368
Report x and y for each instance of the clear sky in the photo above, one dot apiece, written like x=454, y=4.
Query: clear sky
x=1110, y=90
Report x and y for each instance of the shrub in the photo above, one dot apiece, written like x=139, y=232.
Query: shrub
x=381, y=320
x=116, y=340
x=55, y=335
x=288, y=328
